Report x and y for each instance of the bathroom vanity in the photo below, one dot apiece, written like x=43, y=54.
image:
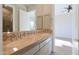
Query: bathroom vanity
x=39, y=43
x=29, y=29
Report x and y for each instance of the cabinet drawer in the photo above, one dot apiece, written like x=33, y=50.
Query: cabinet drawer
x=45, y=42
x=44, y=50
x=32, y=51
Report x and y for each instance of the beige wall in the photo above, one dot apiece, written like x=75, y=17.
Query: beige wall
x=42, y=11
x=1, y=30
x=31, y=7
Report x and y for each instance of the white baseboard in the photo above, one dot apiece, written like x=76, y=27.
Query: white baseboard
x=63, y=38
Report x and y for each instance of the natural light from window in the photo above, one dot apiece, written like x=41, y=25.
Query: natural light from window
x=61, y=43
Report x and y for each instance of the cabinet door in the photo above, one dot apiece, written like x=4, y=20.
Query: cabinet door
x=32, y=51
x=47, y=22
x=44, y=43
x=46, y=50
x=45, y=47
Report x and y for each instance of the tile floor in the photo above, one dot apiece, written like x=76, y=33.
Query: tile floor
x=63, y=46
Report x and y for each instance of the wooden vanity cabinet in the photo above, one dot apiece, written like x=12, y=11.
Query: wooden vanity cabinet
x=32, y=51
x=44, y=48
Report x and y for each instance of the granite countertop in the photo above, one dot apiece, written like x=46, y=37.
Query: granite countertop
x=25, y=43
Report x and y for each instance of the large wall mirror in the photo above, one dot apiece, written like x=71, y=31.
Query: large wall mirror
x=17, y=18
x=26, y=17
x=7, y=18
